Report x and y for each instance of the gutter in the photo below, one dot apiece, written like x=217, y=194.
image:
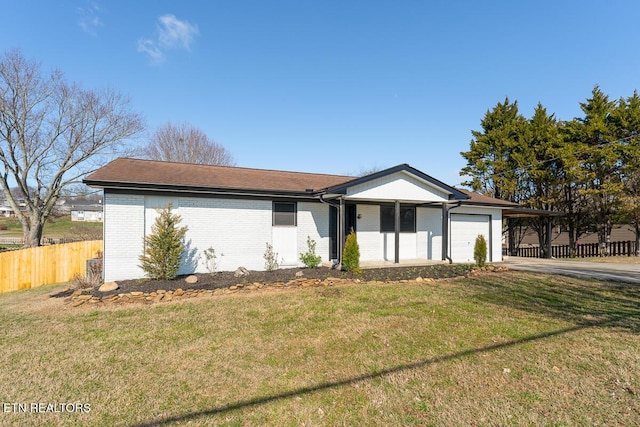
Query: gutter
x=445, y=230
x=339, y=226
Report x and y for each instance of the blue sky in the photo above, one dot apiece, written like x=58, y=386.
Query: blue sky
x=336, y=86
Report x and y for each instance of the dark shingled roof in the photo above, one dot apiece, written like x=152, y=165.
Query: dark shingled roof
x=142, y=174
x=479, y=199
x=129, y=172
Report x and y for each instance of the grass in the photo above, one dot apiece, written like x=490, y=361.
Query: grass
x=498, y=349
x=54, y=227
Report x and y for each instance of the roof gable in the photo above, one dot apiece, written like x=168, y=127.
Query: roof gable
x=407, y=182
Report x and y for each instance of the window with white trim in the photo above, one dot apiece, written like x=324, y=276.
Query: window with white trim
x=407, y=219
x=285, y=214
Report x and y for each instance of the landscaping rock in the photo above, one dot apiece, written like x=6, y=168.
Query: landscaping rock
x=241, y=272
x=299, y=274
x=191, y=279
x=108, y=286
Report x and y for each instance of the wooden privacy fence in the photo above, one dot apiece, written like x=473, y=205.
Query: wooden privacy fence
x=586, y=250
x=32, y=267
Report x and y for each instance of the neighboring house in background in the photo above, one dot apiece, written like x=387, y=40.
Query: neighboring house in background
x=398, y=214
x=86, y=211
x=6, y=210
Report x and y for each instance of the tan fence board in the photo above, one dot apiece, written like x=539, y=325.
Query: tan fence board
x=32, y=267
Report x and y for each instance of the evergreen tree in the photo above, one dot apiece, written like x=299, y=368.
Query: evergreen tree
x=539, y=159
x=627, y=119
x=598, y=150
x=164, y=247
x=351, y=254
x=490, y=163
x=480, y=251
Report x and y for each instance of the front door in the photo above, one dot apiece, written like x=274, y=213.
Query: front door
x=349, y=223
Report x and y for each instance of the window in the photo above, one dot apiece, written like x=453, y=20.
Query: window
x=284, y=213
x=407, y=219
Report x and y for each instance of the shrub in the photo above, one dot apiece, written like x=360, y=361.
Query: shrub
x=270, y=259
x=211, y=262
x=93, y=277
x=351, y=254
x=86, y=232
x=310, y=259
x=480, y=251
x=164, y=247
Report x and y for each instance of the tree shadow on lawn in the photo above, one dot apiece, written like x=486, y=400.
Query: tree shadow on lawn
x=579, y=301
x=367, y=377
x=586, y=304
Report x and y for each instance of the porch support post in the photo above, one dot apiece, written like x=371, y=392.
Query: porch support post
x=341, y=234
x=549, y=231
x=445, y=233
x=511, y=243
x=397, y=230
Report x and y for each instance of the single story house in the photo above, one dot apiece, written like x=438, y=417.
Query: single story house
x=398, y=214
x=86, y=211
x=6, y=210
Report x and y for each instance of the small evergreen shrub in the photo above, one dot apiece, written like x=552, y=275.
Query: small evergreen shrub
x=480, y=251
x=164, y=247
x=309, y=258
x=270, y=258
x=351, y=254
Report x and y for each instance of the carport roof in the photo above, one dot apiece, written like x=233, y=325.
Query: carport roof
x=521, y=212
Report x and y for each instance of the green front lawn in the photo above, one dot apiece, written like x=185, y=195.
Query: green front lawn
x=499, y=349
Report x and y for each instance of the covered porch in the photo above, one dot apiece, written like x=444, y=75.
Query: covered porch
x=402, y=216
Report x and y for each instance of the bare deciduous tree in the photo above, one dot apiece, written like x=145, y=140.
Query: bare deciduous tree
x=52, y=133
x=186, y=144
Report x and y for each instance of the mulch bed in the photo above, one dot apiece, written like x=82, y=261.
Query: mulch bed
x=226, y=279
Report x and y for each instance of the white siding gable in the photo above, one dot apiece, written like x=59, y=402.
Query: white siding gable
x=398, y=186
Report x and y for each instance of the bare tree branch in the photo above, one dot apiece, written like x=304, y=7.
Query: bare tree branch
x=186, y=144
x=51, y=134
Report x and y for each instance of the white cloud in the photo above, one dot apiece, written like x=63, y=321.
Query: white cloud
x=172, y=34
x=176, y=33
x=151, y=48
x=88, y=18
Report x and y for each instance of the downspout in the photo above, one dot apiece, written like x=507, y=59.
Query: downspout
x=341, y=231
x=445, y=230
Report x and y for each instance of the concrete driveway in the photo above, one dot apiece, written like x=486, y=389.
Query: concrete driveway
x=628, y=273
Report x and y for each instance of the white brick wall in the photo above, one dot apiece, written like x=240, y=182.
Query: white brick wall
x=429, y=225
x=313, y=221
x=237, y=228
x=123, y=236
x=370, y=239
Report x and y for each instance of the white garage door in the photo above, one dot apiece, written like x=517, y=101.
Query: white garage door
x=464, y=230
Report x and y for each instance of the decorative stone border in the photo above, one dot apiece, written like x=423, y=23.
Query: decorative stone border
x=78, y=299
